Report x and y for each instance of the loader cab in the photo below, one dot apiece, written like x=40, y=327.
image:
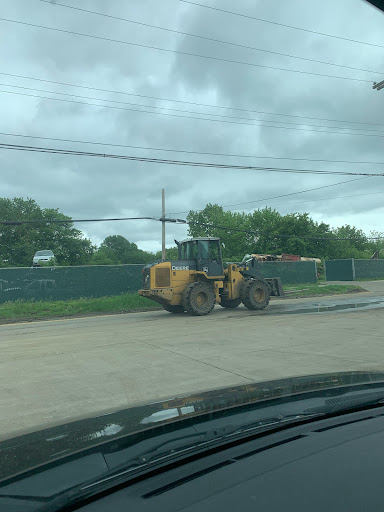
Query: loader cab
x=205, y=251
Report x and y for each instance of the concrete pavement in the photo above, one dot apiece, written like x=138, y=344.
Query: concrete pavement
x=55, y=371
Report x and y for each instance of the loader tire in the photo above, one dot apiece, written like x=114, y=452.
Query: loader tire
x=173, y=309
x=255, y=294
x=230, y=303
x=198, y=299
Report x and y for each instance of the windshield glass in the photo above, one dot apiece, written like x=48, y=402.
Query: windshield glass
x=188, y=251
x=44, y=253
x=208, y=178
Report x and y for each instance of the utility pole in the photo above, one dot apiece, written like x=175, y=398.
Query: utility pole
x=163, y=224
x=378, y=86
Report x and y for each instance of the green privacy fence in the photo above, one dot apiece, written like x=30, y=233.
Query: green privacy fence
x=290, y=272
x=339, y=270
x=61, y=283
x=349, y=270
x=369, y=269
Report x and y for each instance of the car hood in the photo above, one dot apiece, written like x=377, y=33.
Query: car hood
x=32, y=450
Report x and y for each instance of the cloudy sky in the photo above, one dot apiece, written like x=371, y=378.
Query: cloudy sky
x=210, y=90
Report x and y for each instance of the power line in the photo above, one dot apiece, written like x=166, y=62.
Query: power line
x=175, y=221
x=327, y=131
x=277, y=197
x=322, y=199
x=179, y=52
x=180, y=162
x=70, y=221
x=188, y=102
x=271, y=235
x=302, y=202
x=189, y=152
x=293, y=193
x=221, y=41
x=283, y=24
x=185, y=111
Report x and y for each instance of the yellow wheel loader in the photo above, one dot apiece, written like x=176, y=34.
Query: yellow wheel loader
x=196, y=281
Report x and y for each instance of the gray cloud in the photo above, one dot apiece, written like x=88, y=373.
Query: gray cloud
x=92, y=187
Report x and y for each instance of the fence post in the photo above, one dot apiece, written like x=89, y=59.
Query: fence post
x=353, y=269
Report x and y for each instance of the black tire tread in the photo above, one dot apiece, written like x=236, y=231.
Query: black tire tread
x=246, y=296
x=188, y=304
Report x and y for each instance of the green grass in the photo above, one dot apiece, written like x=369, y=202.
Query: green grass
x=308, y=290
x=42, y=309
x=30, y=310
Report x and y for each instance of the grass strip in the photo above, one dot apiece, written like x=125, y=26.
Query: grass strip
x=318, y=289
x=40, y=309
x=30, y=310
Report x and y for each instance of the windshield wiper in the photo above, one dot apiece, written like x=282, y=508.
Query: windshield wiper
x=346, y=403
x=188, y=444
x=185, y=444
x=164, y=452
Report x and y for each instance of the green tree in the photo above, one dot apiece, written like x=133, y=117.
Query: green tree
x=117, y=250
x=20, y=242
x=171, y=253
x=376, y=243
x=203, y=223
x=352, y=243
x=273, y=233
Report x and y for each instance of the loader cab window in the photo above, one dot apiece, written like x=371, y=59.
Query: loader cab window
x=209, y=250
x=189, y=251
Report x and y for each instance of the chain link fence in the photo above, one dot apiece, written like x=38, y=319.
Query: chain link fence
x=349, y=270
x=290, y=272
x=63, y=283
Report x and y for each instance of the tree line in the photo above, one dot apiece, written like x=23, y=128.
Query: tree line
x=270, y=232
x=18, y=243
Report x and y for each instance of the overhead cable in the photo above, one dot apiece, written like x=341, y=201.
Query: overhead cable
x=177, y=221
x=326, y=131
x=25, y=77
x=283, y=24
x=185, y=111
x=179, y=52
x=181, y=162
x=278, y=197
x=271, y=235
x=148, y=148
x=205, y=38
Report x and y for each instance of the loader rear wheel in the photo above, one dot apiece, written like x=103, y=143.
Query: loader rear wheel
x=198, y=299
x=173, y=309
x=230, y=303
x=255, y=294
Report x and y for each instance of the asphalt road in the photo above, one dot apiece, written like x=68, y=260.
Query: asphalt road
x=56, y=371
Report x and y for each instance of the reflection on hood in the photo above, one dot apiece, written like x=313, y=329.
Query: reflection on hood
x=108, y=430
x=167, y=414
x=55, y=443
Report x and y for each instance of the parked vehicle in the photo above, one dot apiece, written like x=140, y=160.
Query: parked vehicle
x=43, y=257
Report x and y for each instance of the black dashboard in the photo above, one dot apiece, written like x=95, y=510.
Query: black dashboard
x=331, y=464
